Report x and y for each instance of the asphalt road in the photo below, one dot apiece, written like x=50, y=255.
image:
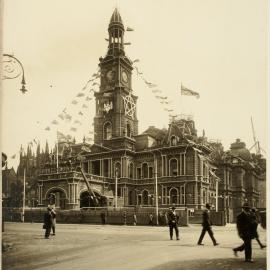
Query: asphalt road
x=100, y=247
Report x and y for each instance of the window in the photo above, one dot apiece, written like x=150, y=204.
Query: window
x=144, y=170
x=150, y=172
x=139, y=173
x=173, y=167
x=145, y=197
x=173, y=141
x=130, y=170
x=117, y=169
x=182, y=195
x=107, y=131
x=128, y=130
x=173, y=196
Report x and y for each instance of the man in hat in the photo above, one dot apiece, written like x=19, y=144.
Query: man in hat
x=173, y=222
x=47, y=222
x=245, y=228
x=207, y=223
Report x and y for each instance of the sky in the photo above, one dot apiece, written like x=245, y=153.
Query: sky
x=216, y=48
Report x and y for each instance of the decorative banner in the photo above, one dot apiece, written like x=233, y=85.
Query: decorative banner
x=77, y=122
x=54, y=122
x=129, y=105
x=129, y=29
x=187, y=92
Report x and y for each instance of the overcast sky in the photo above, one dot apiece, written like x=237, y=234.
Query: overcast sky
x=214, y=47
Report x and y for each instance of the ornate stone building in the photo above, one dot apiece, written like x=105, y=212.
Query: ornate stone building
x=187, y=170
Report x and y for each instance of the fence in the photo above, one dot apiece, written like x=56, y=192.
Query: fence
x=93, y=216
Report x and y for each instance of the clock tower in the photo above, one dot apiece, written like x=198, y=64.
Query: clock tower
x=115, y=122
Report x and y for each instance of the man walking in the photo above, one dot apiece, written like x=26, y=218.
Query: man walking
x=47, y=223
x=173, y=222
x=207, y=223
x=244, y=227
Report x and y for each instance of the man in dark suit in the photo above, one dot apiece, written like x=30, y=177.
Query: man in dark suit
x=173, y=222
x=47, y=222
x=244, y=225
x=207, y=223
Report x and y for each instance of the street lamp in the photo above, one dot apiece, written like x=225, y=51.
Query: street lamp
x=116, y=182
x=10, y=72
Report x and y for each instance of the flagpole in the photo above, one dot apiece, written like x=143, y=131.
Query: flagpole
x=23, y=195
x=57, y=151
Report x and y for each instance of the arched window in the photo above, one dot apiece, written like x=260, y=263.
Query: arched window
x=174, y=196
x=145, y=197
x=130, y=170
x=145, y=170
x=107, y=131
x=128, y=130
x=117, y=169
x=173, y=167
x=173, y=141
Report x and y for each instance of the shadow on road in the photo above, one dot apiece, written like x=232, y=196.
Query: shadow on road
x=213, y=264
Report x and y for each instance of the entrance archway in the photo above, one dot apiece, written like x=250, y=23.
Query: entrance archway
x=87, y=200
x=57, y=197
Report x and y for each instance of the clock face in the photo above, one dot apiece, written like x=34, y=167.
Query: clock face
x=124, y=77
x=110, y=75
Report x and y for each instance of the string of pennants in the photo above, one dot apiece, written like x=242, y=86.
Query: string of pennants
x=84, y=96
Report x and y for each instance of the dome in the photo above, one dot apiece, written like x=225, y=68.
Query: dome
x=116, y=18
x=239, y=149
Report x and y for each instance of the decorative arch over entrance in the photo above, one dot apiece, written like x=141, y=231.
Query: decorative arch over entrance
x=87, y=200
x=56, y=196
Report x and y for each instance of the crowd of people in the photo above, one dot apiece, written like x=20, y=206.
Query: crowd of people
x=246, y=223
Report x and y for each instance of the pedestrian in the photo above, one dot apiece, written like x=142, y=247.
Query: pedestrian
x=244, y=228
x=173, y=219
x=134, y=219
x=47, y=222
x=207, y=226
x=102, y=217
x=255, y=222
x=53, y=213
x=151, y=219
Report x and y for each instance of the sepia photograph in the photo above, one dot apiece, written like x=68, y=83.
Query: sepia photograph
x=133, y=134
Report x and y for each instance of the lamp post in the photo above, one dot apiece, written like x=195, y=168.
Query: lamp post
x=10, y=72
x=116, y=183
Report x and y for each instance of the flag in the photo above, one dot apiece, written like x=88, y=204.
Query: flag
x=54, y=122
x=77, y=122
x=129, y=29
x=47, y=128
x=73, y=129
x=68, y=117
x=127, y=43
x=62, y=137
x=84, y=106
x=61, y=116
x=80, y=95
x=80, y=113
x=187, y=92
